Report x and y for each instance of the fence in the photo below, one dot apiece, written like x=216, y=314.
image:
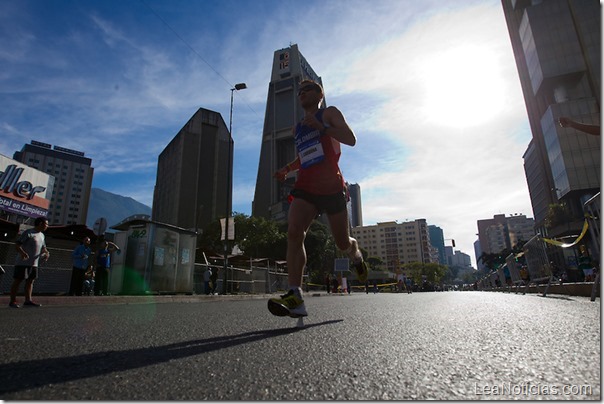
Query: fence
x=54, y=276
x=251, y=280
x=592, y=213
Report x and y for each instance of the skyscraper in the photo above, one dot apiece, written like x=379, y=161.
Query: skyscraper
x=355, y=209
x=282, y=113
x=73, y=180
x=190, y=189
x=557, y=48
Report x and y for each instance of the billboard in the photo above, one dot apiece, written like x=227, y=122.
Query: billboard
x=24, y=190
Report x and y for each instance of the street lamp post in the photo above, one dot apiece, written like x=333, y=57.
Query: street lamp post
x=239, y=86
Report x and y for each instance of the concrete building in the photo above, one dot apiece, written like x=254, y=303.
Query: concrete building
x=277, y=147
x=73, y=174
x=191, y=186
x=503, y=232
x=396, y=243
x=557, y=47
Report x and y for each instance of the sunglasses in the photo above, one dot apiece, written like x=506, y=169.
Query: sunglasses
x=307, y=88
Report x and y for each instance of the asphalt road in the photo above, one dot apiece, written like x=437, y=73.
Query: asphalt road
x=444, y=346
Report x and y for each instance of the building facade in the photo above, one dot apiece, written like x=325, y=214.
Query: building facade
x=277, y=146
x=557, y=47
x=192, y=172
x=395, y=243
x=501, y=232
x=355, y=207
x=72, y=172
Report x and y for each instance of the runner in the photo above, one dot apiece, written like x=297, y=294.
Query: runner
x=319, y=188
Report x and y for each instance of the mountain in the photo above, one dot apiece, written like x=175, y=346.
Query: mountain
x=112, y=207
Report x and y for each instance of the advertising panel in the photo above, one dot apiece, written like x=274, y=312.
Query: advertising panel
x=23, y=189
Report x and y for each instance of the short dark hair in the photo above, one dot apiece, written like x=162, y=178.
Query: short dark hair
x=40, y=220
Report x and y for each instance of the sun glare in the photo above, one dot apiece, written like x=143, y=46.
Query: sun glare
x=464, y=87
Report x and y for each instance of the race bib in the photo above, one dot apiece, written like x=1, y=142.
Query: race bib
x=311, y=153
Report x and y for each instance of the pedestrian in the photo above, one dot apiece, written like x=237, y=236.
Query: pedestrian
x=207, y=275
x=80, y=263
x=408, y=285
x=327, y=284
x=31, y=246
x=214, y=281
x=319, y=188
x=103, y=267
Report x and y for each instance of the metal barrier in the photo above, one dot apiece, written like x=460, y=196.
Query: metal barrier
x=54, y=276
x=514, y=269
x=592, y=213
x=537, y=263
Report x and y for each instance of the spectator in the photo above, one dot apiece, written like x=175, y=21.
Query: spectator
x=103, y=267
x=89, y=281
x=214, y=281
x=80, y=263
x=207, y=275
x=31, y=246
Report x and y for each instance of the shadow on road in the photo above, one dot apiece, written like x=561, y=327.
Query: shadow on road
x=37, y=373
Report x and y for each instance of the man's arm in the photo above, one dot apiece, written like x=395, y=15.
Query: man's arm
x=338, y=127
x=566, y=122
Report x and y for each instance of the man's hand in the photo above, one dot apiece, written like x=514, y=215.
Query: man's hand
x=281, y=174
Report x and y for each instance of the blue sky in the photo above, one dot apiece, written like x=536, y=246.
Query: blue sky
x=429, y=87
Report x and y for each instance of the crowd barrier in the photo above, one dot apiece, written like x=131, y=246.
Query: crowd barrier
x=54, y=276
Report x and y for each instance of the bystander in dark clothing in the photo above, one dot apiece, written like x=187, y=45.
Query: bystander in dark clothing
x=103, y=267
x=80, y=264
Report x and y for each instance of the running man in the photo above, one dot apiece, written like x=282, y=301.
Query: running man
x=319, y=188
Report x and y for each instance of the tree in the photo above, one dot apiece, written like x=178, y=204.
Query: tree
x=557, y=214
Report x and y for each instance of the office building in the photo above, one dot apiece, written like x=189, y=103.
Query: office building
x=395, y=243
x=557, y=47
x=501, y=232
x=437, y=240
x=191, y=186
x=355, y=207
x=72, y=172
x=277, y=146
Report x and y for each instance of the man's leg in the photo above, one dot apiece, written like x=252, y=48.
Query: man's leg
x=339, y=228
x=29, y=287
x=14, y=289
x=301, y=215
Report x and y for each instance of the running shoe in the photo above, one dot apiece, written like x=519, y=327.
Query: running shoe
x=31, y=303
x=362, y=271
x=289, y=304
x=14, y=305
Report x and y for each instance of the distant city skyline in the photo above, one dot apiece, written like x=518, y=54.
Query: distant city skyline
x=433, y=95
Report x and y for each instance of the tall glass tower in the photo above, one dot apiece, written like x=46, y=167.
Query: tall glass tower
x=557, y=47
x=278, y=148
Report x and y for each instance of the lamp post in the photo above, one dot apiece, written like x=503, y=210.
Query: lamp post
x=239, y=86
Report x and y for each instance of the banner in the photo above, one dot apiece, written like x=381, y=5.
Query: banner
x=566, y=245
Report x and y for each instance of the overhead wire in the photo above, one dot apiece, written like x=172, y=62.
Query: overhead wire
x=192, y=49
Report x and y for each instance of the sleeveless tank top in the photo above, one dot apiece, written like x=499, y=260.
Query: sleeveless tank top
x=319, y=173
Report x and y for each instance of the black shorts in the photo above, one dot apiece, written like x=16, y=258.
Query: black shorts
x=330, y=204
x=25, y=272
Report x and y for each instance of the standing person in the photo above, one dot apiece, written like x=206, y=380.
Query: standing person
x=103, y=267
x=207, y=275
x=80, y=263
x=319, y=188
x=31, y=245
x=213, y=281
